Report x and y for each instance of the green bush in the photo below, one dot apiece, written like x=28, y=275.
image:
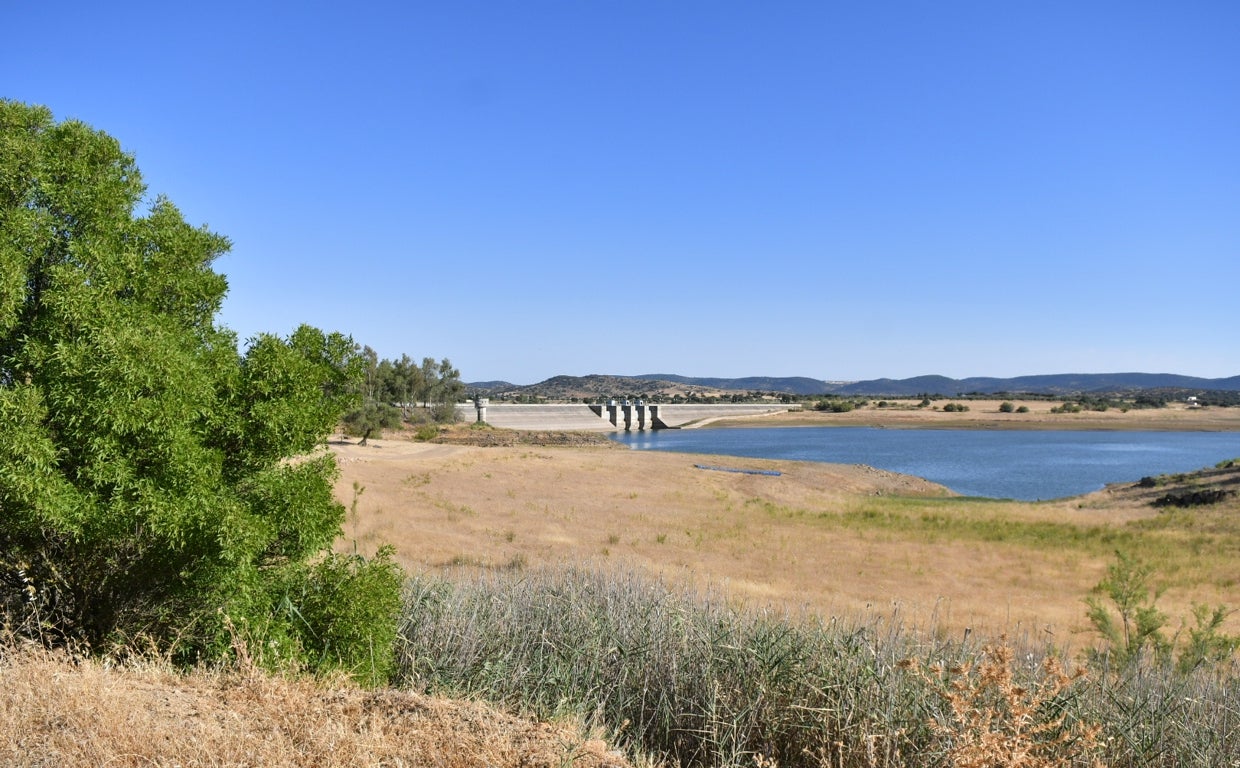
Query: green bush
x=371, y=419
x=1131, y=625
x=146, y=485
x=348, y=610
x=1007, y=406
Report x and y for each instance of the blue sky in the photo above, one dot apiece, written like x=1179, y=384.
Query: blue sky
x=826, y=189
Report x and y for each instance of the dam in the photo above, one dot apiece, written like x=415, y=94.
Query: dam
x=613, y=416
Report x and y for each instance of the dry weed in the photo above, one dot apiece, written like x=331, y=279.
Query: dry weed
x=994, y=721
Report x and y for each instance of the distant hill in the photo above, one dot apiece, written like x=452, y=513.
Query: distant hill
x=1052, y=384
x=796, y=385
x=668, y=384
x=490, y=386
x=598, y=385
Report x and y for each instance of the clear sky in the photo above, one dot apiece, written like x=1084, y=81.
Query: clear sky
x=842, y=190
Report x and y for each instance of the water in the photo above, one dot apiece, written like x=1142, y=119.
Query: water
x=1004, y=464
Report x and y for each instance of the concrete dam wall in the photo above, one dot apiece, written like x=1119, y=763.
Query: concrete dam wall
x=609, y=418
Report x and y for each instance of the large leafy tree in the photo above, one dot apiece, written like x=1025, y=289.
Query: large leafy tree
x=146, y=486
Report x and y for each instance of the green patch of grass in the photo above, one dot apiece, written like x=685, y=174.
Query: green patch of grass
x=933, y=521
x=1185, y=545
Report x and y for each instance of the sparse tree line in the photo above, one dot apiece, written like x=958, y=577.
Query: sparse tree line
x=832, y=402
x=396, y=392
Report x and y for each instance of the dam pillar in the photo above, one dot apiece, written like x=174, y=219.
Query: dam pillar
x=611, y=411
x=480, y=403
x=627, y=411
x=641, y=414
x=654, y=416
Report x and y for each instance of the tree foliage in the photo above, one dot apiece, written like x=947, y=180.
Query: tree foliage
x=399, y=390
x=1135, y=628
x=145, y=481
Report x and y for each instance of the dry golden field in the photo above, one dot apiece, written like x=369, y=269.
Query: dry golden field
x=67, y=713
x=837, y=539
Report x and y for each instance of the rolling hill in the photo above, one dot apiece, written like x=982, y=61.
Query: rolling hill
x=666, y=384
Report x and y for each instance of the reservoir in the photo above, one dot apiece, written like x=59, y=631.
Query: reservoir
x=1003, y=464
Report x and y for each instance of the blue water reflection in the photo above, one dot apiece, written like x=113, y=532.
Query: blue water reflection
x=1012, y=464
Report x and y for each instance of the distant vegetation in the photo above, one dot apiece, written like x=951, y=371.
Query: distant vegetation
x=398, y=392
x=1093, y=391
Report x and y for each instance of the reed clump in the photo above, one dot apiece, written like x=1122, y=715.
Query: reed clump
x=690, y=679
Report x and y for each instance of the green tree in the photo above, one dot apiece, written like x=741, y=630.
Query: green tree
x=145, y=486
x=372, y=417
x=400, y=380
x=440, y=388
x=1138, y=629
x=1207, y=643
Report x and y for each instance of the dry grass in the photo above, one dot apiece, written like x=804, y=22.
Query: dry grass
x=71, y=713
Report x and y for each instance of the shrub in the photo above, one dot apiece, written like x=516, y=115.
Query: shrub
x=835, y=406
x=349, y=607
x=371, y=419
x=993, y=719
x=145, y=475
x=1007, y=406
x=1139, y=627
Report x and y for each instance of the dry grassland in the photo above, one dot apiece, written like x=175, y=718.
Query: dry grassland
x=840, y=540
x=55, y=711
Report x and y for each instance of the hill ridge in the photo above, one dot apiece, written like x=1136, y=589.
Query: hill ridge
x=1065, y=384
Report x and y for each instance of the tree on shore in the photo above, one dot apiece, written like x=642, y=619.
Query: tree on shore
x=145, y=486
x=393, y=390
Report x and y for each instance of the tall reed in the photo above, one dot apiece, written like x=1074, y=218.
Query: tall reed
x=694, y=680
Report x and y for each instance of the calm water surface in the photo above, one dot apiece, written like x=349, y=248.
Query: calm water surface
x=1006, y=464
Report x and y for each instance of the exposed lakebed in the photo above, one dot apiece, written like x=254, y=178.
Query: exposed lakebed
x=1011, y=464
